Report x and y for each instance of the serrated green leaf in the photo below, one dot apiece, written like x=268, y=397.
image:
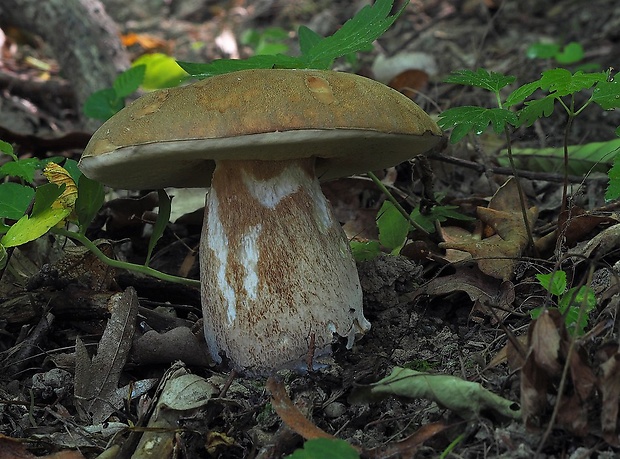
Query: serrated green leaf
x=481, y=78
x=554, y=282
x=583, y=159
x=357, y=33
x=22, y=168
x=7, y=149
x=468, y=118
x=393, y=227
x=161, y=71
x=14, y=200
x=536, y=109
x=325, y=448
x=89, y=200
x=571, y=53
x=102, y=104
x=308, y=38
x=542, y=50
x=366, y=250
x=129, y=81
x=607, y=94
x=561, y=82
x=521, y=93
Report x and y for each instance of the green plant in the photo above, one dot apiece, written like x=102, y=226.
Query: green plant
x=27, y=213
x=317, y=52
x=325, y=448
x=269, y=41
x=103, y=104
x=556, y=86
x=569, y=301
x=77, y=199
x=565, y=55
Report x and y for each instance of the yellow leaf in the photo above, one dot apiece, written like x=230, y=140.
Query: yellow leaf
x=58, y=175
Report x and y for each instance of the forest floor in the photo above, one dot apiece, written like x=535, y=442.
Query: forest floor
x=428, y=312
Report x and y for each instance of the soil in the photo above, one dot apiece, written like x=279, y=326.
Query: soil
x=54, y=293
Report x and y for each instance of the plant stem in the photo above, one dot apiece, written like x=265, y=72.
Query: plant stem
x=124, y=264
x=393, y=200
x=526, y=221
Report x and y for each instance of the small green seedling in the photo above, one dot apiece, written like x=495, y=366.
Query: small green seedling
x=570, y=302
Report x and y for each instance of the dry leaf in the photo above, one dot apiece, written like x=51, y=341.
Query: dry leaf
x=290, y=414
x=497, y=255
x=96, y=381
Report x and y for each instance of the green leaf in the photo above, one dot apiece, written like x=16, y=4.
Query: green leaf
x=560, y=82
x=308, y=38
x=573, y=52
x=613, y=188
x=71, y=166
x=467, y=399
x=102, y=104
x=357, y=33
x=466, y=119
x=325, y=448
x=570, y=304
x=22, y=168
x=7, y=149
x=221, y=66
x=14, y=200
x=161, y=71
x=45, y=195
x=521, y=93
x=425, y=221
x=129, y=81
x=607, y=94
x=393, y=227
x=366, y=250
x=583, y=159
x=89, y=200
x=269, y=41
x=163, y=217
x=554, y=282
x=535, y=109
x=44, y=217
x=481, y=78
x=542, y=50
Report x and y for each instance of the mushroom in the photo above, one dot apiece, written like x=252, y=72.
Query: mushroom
x=277, y=275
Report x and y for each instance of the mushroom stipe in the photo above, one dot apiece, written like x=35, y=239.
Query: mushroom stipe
x=276, y=267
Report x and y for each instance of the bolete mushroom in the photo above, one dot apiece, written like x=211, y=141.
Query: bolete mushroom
x=278, y=278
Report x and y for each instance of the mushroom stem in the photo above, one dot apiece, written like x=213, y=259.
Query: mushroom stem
x=276, y=267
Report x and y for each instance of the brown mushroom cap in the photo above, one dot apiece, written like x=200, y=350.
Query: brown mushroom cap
x=172, y=137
